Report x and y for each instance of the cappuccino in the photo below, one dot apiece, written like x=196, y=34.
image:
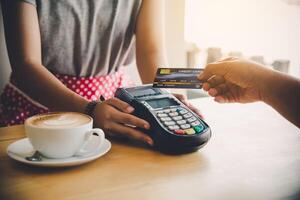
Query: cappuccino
x=59, y=120
x=61, y=134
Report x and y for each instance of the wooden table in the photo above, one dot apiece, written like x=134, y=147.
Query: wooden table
x=254, y=154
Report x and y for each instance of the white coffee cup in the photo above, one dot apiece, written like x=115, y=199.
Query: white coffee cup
x=61, y=134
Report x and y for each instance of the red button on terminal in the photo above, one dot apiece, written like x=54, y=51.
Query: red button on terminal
x=180, y=132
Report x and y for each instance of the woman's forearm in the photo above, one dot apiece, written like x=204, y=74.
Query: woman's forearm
x=148, y=64
x=42, y=86
x=150, y=41
x=282, y=92
x=25, y=55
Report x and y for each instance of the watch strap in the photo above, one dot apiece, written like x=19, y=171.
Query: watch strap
x=90, y=107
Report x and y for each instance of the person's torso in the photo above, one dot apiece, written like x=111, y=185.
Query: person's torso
x=87, y=37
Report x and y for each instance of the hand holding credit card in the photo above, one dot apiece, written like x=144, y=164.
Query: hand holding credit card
x=178, y=78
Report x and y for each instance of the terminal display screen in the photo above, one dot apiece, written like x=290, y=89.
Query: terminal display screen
x=162, y=103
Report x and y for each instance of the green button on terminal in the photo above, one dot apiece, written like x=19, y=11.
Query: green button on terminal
x=198, y=128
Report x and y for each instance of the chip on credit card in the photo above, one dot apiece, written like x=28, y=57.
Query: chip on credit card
x=178, y=78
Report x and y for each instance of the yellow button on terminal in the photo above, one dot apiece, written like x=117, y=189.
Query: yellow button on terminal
x=190, y=131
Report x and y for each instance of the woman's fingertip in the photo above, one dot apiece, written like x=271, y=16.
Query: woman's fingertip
x=200, y=115
x=130, y=109
x=146, y=126
x=186, y=103
x=149, y=141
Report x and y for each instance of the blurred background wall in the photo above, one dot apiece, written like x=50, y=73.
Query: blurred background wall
x=269, y=28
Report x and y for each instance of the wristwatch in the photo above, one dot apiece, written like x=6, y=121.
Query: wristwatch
x=90, y=107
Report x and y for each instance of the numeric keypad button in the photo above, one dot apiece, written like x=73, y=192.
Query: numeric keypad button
x=190, y=120
x=165, y=119
x=195, y=123
x=162, y=115
x=180, y=122
x=188, y=115
x=170, y=123
x=183, y=111
x=173, y=114
x=177, y=118
x=173, y=128
x=167, y=111
x=185, y=126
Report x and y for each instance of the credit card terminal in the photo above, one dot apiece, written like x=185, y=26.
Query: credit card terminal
x=174, y=127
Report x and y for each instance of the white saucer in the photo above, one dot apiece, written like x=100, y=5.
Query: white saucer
x=21, y=149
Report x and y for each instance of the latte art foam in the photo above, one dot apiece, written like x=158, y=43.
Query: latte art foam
x=59, y=120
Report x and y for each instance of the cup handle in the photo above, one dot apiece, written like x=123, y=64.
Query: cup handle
x=88, y=135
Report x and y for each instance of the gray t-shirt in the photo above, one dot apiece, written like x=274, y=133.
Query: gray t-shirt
x=86, y=37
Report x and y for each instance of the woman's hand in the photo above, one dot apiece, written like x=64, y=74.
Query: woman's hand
x=186, y=102
x=114, y=116
x=234, y=80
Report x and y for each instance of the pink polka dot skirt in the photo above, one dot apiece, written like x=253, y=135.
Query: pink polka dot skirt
x=16, y=106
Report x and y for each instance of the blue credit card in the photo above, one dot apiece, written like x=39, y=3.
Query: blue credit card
x=178, y=78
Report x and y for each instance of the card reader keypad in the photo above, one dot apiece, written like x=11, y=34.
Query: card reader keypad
x=180, y=121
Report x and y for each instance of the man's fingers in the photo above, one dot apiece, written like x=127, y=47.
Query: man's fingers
x=220, y=99
x=218, y=90
x=228, y=59
x=120, y=105
x=131, y=132
x=215, y=80
x=225, y=98
x=212, y=82
x=206, y=86
x=218, y=68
